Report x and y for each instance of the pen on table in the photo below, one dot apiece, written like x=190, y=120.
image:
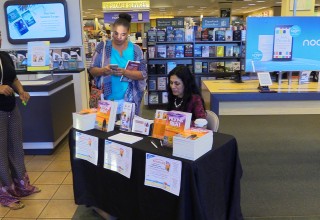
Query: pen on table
x=161, y=144
x=154, y=144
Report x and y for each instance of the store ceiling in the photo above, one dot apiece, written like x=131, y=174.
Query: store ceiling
x=170, y=8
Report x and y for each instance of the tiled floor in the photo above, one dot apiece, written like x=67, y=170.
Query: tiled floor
x=53, y=175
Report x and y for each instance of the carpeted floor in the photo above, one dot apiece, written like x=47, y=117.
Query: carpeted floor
x=280, y=156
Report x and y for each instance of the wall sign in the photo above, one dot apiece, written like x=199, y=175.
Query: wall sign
x=173, y=22
x=136, y=17
x=212, y=22
x=125, y=5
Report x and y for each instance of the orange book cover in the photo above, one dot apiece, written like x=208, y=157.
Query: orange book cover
x=159, y=124
x=104, y=113
x=176, y=123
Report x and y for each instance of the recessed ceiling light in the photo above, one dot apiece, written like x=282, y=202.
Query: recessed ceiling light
x=257, y=9
x=251, y=4
x=90, y=9
x=261, y=1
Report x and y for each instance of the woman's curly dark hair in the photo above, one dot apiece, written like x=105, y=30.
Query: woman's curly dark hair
x=190, y=87
x=123, y=20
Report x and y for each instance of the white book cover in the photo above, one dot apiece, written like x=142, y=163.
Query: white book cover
x=141, y=125
x=162, y=83
x=164, y=97
x=127, y=115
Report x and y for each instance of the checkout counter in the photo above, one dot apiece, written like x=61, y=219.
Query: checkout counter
x=47, y=117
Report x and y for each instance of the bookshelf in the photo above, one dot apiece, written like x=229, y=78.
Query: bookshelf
x=209, y=55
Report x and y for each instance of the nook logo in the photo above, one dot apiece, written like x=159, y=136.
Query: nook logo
x=257, y=55
x=311, y=43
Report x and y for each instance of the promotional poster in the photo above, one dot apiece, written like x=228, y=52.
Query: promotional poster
x=282, y=44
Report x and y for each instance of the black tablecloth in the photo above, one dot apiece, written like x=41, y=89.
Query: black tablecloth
x=210, y=186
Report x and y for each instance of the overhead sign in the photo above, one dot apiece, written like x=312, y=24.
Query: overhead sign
x=125, y=5
x=136, y=17
x=212, y=22
x=173, y=22
x=283, y=44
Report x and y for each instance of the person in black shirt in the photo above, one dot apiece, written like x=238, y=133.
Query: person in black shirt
x=14, y=181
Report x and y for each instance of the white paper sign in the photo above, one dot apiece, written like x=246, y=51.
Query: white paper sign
x=163, y=173
x=87, y=147
x=264, y=78
x=125, y=138
x=118, y=158
x=304, y=77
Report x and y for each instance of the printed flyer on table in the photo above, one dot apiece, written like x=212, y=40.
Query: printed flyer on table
x=118, y=158
x=163, y=173
x=87, y=147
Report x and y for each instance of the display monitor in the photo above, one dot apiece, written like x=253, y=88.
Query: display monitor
x=36, y=20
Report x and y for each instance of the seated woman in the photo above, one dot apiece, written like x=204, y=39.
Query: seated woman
x=183, y=93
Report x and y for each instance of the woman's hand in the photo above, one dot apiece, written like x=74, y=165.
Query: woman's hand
x=119, y=72
x=24, y=96
x=6, y=90
x=107, y=70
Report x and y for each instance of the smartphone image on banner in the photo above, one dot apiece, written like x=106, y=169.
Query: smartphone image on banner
x=282, y=43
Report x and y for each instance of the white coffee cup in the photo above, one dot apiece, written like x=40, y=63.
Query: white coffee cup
x=200, y=123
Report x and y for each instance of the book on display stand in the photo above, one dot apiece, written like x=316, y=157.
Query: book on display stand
x=176, y=122
x=106, y=115
x=127, y=114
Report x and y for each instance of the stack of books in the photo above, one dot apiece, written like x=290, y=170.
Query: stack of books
x=192, y=143
x=85, y=119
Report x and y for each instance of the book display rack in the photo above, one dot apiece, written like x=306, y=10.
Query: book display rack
x=209, y=54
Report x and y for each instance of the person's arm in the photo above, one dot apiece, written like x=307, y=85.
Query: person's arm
x=6, y=90
x=24, y=96
x=198, y=108
x=131, y=74
x=96, y=69
x=101, y=71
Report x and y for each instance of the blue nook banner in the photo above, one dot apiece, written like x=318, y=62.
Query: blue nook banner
x=211, y=22
x=282, y=44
